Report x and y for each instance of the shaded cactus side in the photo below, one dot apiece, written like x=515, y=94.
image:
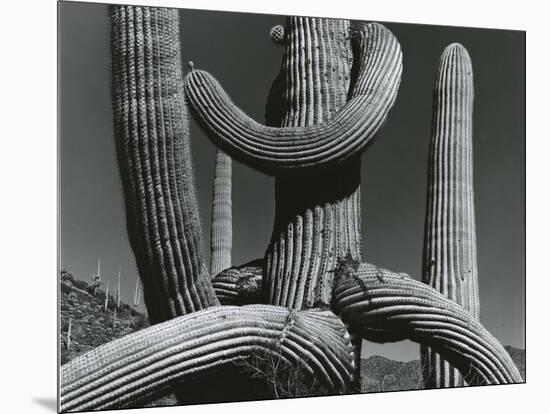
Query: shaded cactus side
x=153, y=148
x=450, y=262
x=221, y=236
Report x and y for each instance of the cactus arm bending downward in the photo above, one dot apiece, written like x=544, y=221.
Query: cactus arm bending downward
x=274, y=150
x=153, y=149
x=241, y=285
x=387, y=307
x=123, y=372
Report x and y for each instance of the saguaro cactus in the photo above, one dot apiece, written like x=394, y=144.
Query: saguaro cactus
x=153, y=150
x=222, y=230
x=131, y=368
x=326, y=105
x=69, y=335
x=118, y=289
x=316, y=221
x=450, y=262
x=137, y=293
x=96, y=278
x=105, y=306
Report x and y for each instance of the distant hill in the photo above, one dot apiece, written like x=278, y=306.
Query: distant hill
x=382, y=374
x=91, y=326
x=518, y=356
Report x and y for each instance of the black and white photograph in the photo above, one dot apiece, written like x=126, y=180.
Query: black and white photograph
x=259, y=207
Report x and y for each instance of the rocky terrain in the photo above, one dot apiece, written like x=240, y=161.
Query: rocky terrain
x=91, y=325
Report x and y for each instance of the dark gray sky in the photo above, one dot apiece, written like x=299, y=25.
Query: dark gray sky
x=236, y=48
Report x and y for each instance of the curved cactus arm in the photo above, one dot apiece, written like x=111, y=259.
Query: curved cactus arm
x=240, y=285
x=274, y=150
x=386, y=307
x=153, y=148
x=221, y=236
x=128, y=369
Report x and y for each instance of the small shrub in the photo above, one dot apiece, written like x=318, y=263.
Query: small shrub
x=284, y=379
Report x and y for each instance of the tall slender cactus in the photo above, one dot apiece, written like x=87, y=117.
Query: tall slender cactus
x=118, y=289
x=96, y=277
x=450, y=262
x=106, y=305
x=69, y=334
x=153, y=147
x=137, y=293
x=221, y=236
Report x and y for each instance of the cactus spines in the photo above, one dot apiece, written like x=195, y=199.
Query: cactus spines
x=400, y=307
x=303, y=143
x=221, y=230
x=153, y=148
x=450, y=262
x=202, y=342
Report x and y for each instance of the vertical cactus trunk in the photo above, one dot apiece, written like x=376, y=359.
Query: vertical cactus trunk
x=118, y=289
x=317, y=218
x=450, y=263
x=105, y=306
x=221, y=231
x=69, y=333
x=137, y=293
x=153, y=148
